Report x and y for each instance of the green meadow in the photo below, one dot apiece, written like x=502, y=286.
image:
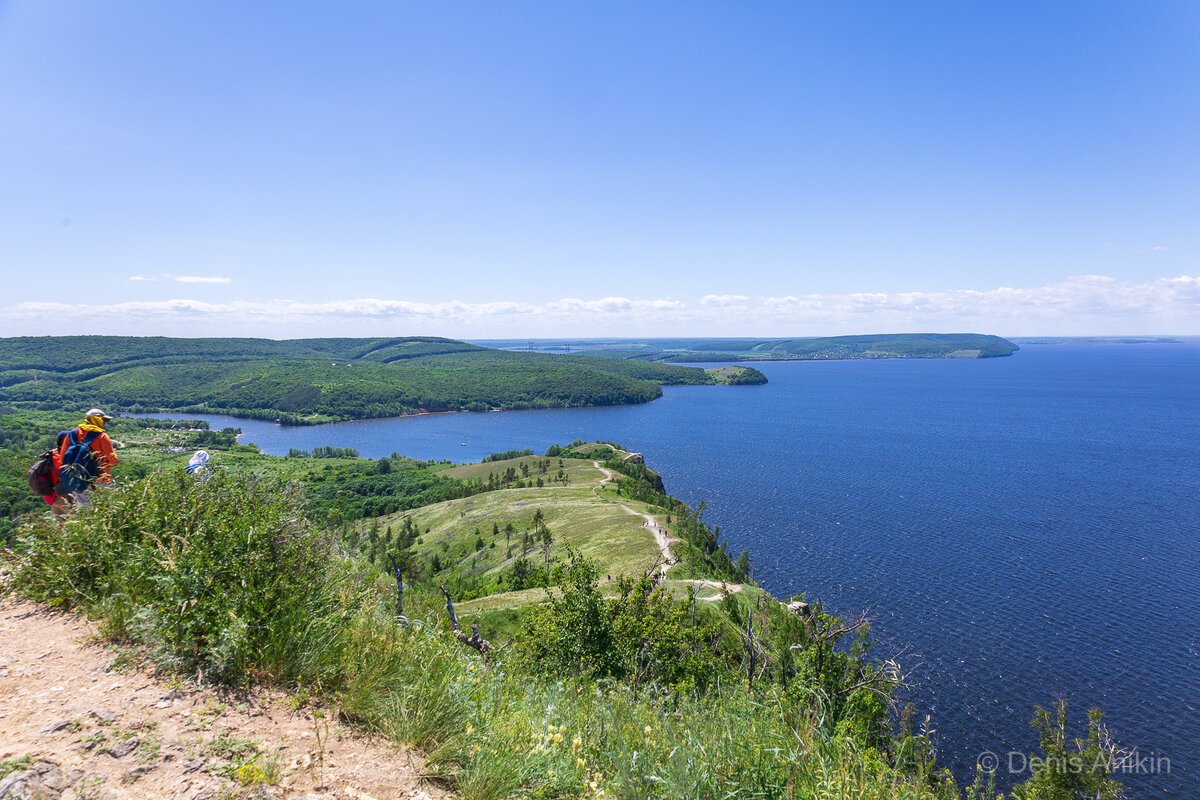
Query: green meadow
x=586, y=514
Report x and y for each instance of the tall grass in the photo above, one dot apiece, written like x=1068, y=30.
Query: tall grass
x=219, y=576
x=228, y=579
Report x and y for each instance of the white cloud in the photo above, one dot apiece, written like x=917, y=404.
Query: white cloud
x=1081, y=304
x=1085, y=304
x=723, y=300
x=181, y=278
x=344, y=317
x=610, y=305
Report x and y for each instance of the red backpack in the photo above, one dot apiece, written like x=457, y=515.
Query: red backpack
x=43, y=475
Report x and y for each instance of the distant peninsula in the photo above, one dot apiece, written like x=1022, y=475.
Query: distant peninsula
x=312, y=381
x=825, y=348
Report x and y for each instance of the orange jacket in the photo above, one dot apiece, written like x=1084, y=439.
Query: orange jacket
x=101, y=447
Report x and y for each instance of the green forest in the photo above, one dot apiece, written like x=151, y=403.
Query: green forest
x=307, y=381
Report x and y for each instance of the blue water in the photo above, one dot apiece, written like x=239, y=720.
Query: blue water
x=1021, y=529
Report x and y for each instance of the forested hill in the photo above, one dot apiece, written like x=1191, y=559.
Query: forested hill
x=872, y=346
x=70, y=354
x=302, y=381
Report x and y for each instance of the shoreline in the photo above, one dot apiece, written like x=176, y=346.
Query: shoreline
x=185, y=415
x=792, y=360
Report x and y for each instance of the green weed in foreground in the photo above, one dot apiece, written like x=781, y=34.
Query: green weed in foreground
x=217, y=576
x=11, y=765
x=228, y=578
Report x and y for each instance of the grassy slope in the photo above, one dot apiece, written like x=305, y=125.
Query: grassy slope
x=587, y=514
x=582, y=514
x=582, y=472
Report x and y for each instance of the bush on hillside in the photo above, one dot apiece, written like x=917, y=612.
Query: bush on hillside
x=217, y=575
x=640, y=635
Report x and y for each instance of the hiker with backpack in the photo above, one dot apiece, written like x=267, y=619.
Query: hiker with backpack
x=86, y=457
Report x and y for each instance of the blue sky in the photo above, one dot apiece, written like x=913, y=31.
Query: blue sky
x=551, y=169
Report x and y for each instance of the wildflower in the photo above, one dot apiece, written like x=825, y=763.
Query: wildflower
x=649, y=729
x=576, y=744
x=249, y=774
x=470, y=729
x=580, y=763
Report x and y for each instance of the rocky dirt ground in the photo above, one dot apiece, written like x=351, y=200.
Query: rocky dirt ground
x=82, y=719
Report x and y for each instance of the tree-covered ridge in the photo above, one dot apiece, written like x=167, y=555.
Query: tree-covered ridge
x=71, y=354
x=902, y=345
x=314, y=380
x=894, y=345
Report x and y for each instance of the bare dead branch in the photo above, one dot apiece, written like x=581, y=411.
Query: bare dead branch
x=475, y=640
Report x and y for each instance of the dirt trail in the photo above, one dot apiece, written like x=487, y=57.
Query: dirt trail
x=86, y=729
x=662, y=537
x=732, y=588
x=609, y=475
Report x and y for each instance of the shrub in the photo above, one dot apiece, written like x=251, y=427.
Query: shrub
x=218, y=575
x=642, y=635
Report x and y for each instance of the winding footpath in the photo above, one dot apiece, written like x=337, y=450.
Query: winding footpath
x=662, y=537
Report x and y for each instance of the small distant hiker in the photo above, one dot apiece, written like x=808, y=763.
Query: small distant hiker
x=198, y=466
x=86, y=457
